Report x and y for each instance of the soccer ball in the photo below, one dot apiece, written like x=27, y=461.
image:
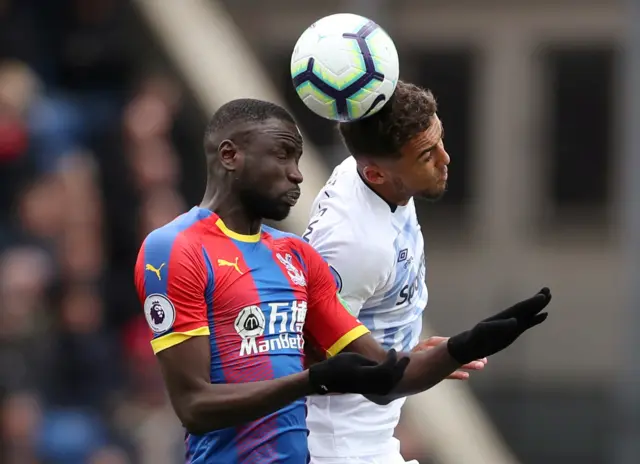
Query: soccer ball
x=344, y=67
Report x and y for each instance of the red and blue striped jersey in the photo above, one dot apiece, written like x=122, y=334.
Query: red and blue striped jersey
x=257, y=298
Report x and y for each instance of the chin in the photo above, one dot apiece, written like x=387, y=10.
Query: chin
x=277, y=212
x=431, y=195
x=261, y=207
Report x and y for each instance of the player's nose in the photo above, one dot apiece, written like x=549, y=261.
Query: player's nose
x=444, y=157
x=295, y=175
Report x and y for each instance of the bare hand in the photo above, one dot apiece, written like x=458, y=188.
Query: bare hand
x=432, y=342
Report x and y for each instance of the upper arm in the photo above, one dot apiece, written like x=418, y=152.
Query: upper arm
x=171, y=281
x=329, y=324
x=185, y=369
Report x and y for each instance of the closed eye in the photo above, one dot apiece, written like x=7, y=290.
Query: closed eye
x=287, y=150
x=425, y=155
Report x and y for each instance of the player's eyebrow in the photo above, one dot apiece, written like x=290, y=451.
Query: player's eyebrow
x=291, y=144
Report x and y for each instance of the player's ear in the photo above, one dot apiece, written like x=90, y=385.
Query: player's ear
x=373, y=174
x=228, y=155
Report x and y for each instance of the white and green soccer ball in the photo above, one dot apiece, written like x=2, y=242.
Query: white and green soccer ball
x=344, y=67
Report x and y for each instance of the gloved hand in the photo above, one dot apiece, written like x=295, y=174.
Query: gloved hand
x=353, y=373
x=498, y=332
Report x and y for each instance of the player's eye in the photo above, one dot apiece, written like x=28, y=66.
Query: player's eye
x=280, y=153
x=288, y=152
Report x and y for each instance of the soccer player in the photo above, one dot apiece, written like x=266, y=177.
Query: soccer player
x=364, y=224
x=232, y=302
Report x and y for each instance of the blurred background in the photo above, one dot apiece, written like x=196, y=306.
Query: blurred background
x=103, y=104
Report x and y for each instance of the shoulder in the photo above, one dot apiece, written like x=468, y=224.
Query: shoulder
x=161, y=243
x=348, y=208
x=346, y=229
x=174, y=240
x=171, y=262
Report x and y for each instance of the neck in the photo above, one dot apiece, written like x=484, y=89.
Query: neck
x=385, y=191
x=228, y=207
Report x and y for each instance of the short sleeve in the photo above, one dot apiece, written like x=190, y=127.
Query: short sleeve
x=329, y=325
x=171, y=281
x=358, y=266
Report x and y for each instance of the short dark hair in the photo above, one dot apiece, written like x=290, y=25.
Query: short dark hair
x=244, y=110
x=408, y=112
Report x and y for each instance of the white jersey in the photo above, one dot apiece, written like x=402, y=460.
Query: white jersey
x=376, y=252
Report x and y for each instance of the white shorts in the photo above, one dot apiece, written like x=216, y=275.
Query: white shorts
x=390, y=458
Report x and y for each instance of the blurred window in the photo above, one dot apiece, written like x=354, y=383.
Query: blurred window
x=578, y=133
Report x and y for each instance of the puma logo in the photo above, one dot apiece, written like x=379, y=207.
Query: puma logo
x=224, y=262
x=150, y=267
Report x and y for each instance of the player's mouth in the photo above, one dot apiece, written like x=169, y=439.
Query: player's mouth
x=292, y=196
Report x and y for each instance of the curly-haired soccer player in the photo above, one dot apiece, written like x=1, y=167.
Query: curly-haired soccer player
x=364, y=225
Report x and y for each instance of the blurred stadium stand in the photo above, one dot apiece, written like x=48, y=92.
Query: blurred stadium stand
x=101, y=121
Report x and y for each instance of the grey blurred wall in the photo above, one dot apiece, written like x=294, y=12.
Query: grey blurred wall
x=508, y=238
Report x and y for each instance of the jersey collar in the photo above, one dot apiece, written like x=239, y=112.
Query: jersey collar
x=254, y=238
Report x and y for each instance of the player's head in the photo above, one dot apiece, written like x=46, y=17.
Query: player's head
x=253, y=148
x=401, y=148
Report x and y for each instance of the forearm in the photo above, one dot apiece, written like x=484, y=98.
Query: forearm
x=222, y=406
x=426, y=369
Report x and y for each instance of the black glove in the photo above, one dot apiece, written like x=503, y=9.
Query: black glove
x=353, y=373
x=498, y=332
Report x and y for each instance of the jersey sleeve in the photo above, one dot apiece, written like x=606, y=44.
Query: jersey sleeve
x=171, y=279
x=358, y=266
x=329, y=325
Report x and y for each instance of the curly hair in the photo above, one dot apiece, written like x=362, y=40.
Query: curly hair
x=408, y=112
